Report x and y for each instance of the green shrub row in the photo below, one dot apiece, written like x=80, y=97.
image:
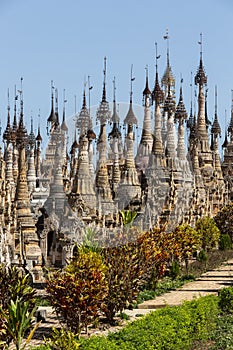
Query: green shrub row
x=207, y=320
x=169, y=328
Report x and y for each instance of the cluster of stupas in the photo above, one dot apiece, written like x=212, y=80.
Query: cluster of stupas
x=175, y=176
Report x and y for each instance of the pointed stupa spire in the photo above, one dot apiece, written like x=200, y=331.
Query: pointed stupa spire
x=75, y=143
x=169, y=108
x=52, y=117
x=146, y=141
x=83, y=121
x=63, y=125
x=15, y=116
x=38, y=137
x=180, y=113
x=215, y=132
x=115, y=116
x=84, y=97
x=104, y=83
x=57, y=123
x=207, y=121
x=31, y=172
x=130, y=117
x=8, y=131
x=146, y=91
x=201, y=81
x=230, y=127
x=22, y=137
x=158, y=97
x=215, y=129
x=169, y=103
x=225, y=143
x=103, y=113
x=38, y=148
x=190, y=121
x=115, y=132
x=201, y=78
x=180, y=116
x=168, y=77
x=157, y=93
x=31, y=137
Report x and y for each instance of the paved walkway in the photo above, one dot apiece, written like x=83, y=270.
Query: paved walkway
x=209, y=283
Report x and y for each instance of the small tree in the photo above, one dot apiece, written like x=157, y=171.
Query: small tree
x=224, y=220
x=188, y=241
x=77, y=293
x=208, y=232
x=225, y=242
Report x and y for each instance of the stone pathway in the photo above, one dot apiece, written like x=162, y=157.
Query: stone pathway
x=209, y=283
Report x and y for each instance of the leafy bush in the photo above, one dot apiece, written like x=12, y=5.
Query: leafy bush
x=222, y=335
x=122, y=276
x=14, y=284
x=224, y=220
x=209, y=232
x=17, y=321
x=77, y=293
x=63, y=339
x=173, y=328
x=175, y=269
x=156, y=251
x=188, y=241
x=225, y=242
x=226, y=299
x=202, y=256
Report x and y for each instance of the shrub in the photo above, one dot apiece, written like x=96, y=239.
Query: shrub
x=226, y=299
x=123, y=278
x=77, y=293
x=224, y=220
x=175, y=269
x=173, y=328
x=188, y=241
x=209, y=232
x=225, y=242
x=63, y=339
x=14, y=284
x=17, y=321
x=156, y=250
x=202, y=256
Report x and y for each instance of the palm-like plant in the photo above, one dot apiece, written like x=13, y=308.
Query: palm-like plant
x=18, y=319
x=128, y=218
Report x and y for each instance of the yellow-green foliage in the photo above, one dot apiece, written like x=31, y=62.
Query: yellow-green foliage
x=208, y=232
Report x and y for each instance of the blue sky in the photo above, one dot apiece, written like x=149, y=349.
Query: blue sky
x=65, y=41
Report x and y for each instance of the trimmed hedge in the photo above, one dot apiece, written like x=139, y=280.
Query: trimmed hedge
x=171, y=328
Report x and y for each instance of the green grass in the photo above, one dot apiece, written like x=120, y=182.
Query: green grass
x=42, y=301
x=164, y=285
